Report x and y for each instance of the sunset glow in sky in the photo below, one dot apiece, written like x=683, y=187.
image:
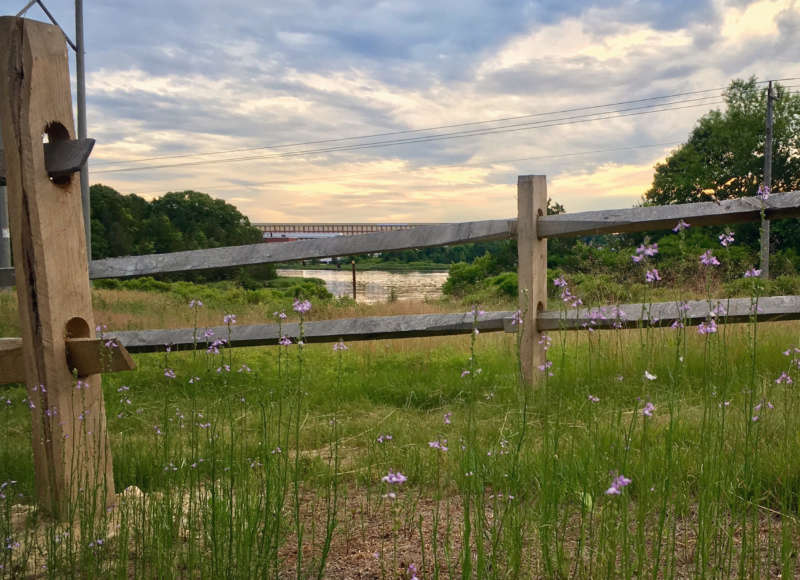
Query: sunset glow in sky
x=167, y=81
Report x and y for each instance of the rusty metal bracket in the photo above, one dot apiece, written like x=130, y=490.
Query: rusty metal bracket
x=61, y=158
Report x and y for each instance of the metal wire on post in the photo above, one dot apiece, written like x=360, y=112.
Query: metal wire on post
x=80, y=73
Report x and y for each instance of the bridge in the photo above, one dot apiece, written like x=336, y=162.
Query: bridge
x=299, y=231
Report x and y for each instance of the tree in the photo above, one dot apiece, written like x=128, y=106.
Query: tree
x=188, y=220
x=724, y=156
x=205, y=222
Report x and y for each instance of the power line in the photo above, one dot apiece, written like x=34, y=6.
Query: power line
x=483, y=163
x=426, y=129
x=431, y=138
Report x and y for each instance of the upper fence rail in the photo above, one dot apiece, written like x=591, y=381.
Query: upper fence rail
x=637, y=219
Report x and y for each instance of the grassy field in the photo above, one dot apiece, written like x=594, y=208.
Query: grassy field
x=659, y=453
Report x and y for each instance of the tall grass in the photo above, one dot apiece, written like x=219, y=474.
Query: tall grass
x=653, y=452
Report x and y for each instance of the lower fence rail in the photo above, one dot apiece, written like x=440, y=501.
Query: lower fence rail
x=657, y=314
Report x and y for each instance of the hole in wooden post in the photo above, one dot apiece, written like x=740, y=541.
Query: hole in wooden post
x=53, y=133
x=539, y=212
x=77, y=328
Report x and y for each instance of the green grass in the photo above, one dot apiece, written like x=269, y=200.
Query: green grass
x=278, y=471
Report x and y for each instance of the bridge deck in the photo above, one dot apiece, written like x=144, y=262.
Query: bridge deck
x=334, y=228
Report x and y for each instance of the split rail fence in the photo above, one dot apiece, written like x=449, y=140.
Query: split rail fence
x=531, y=228
x=52, y=277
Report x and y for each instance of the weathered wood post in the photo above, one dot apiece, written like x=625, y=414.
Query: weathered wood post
x=531, y=270
x=70, y=444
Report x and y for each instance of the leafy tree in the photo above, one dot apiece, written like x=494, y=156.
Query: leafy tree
x=188, y=220
x=724, y=157
x=205, y=222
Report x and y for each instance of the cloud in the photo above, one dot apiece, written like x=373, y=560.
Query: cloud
x=183, y=78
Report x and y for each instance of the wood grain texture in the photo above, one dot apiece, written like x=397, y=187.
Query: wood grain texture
x=640, y=219
x=420, y=237
x=532, y=270
x=86, y=356
x=661, y=314
x=347, y=329
x=52, y=279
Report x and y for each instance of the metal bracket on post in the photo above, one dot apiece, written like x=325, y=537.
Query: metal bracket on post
x=72, y=457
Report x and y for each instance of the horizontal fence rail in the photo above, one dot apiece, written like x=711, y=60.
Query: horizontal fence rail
x=421, y=237
x=690, y=313
x=348, y=329
x=640, y=219
x=748, y=209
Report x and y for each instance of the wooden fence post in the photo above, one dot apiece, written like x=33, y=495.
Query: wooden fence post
x=70, y=444
x=532, y=270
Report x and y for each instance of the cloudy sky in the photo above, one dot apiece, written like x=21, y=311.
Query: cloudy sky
x=409, y=110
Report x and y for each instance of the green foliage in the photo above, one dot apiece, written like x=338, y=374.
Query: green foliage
x=125, y=225
x=225, y=293
x=724, y=154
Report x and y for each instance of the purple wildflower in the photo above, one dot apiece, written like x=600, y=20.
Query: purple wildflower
x=169, y=373
x=440, y=445
x=652, y=276
x=709, y=327
x=339, y=346
x=784, y=378
x=516, y=318
x=726, y=238
x=617, y=484
x=229, y=319
x=393, y=478
x=384, y=438
x=195, y=304
x=285, y=341
x=648, y=409
x=708, y=259
x=447, y=417
x=476, y=312
x=644, y=251
x=594, y=399
x=682, y=225
x=763, y=192
x=301, y=306
x=279, y=315
x=752, y=273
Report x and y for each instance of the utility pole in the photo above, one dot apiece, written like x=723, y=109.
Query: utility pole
x=767, y=181
x=80, y=74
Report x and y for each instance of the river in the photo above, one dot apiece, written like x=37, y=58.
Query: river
x=377, y=285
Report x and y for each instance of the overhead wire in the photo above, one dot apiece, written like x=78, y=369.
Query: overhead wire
x=420, y=130
x=609, y=115
x=480, y=163
x=425, y=129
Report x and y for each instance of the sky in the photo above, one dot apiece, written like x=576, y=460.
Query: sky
x=404, y=110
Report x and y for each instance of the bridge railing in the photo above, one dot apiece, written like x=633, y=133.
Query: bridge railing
x=531, y=227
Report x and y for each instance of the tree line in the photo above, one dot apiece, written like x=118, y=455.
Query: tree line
x=126, y=225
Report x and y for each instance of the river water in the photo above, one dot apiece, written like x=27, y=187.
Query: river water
x=377, y=285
